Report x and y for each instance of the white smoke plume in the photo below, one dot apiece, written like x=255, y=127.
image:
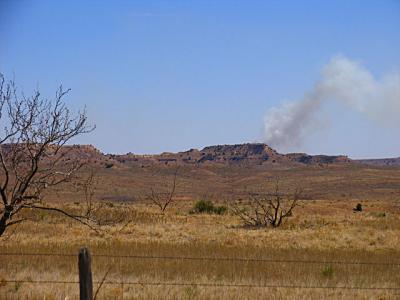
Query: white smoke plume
x=341, y=80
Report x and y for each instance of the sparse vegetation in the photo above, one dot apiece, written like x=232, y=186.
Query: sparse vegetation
x=358, y=208
x=381, y=214
x=164, y=199
x=326, y=236
x=208, y=207
x=327, y=271
x=267, y=209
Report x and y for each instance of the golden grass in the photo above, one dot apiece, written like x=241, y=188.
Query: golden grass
x=320, y=230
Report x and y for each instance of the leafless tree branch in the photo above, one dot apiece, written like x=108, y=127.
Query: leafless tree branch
x=163, y=199
x=267, y=209
x=32, y=152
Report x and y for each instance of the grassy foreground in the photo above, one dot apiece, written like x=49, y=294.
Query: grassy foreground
x=323, y=231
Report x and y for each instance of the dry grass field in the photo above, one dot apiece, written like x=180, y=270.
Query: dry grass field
x=220, y=149
x=323, y=229
x=349, y=182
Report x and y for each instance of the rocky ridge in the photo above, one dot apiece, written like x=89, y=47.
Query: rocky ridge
x=238, y=154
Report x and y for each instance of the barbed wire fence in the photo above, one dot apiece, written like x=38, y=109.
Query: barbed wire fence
x=395, y=289
x=207, y=258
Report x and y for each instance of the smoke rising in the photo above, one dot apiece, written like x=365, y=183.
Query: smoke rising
x=341, y=80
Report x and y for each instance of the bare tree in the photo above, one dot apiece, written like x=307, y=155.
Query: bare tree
x=267, y=209
x=164, y=199
x=32, y=153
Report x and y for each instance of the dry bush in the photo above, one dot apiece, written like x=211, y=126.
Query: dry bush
x=267, y=209
x=164, y=199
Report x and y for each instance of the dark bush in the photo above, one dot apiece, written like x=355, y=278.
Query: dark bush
x=207, y=207
x=358, y=207
x=109, y=165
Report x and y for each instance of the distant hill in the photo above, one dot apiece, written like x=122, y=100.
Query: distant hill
x=223, y=170
x=380, y=161
x=238, y=154
x=85, y=153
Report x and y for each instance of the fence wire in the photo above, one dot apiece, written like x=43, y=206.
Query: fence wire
x=205, y=284
x=239, y=259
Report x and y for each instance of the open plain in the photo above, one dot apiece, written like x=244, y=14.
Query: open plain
x=325, y=249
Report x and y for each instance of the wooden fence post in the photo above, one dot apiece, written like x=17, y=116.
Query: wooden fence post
x=85, y=275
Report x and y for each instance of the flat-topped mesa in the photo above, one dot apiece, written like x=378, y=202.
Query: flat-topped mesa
x=247, y=154
x=240, y=149
x=255, y=152
x=317, y=159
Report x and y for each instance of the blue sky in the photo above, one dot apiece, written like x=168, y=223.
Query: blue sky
x=172, y=75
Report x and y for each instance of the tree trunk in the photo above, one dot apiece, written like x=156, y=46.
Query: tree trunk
x=3, y=223
x=4, y=218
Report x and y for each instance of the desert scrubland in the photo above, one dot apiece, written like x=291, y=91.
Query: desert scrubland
x=324, y=244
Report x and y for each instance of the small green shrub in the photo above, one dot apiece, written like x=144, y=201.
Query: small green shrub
x=327, y=271
x=220, y=210
x=207, y=207
x=17, y=286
